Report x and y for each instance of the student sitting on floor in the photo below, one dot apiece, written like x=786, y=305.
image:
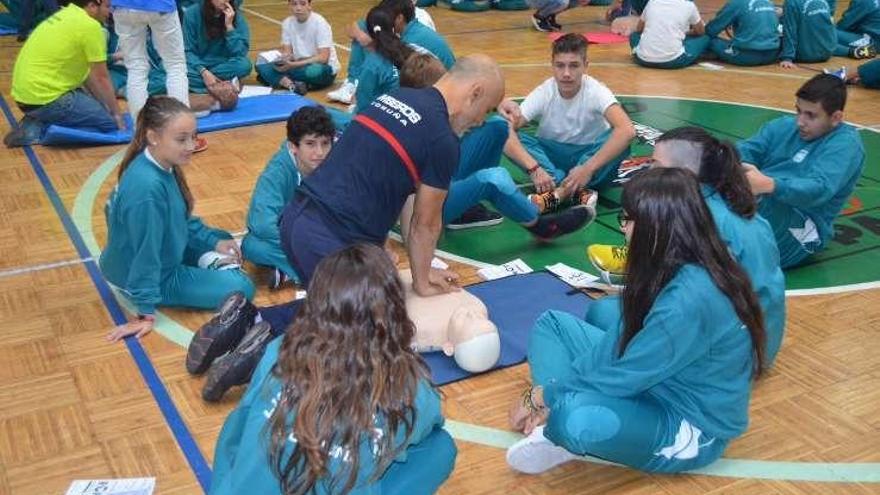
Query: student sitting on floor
x=669, y=35
x=412, y=32
x=583, y=133
x=308, y=57
x=480, y=177
x=115, y=59
x=868, y=75
x=154, y=242
x=60, y=75
x=216, y=41
x=858, y=30
x=803, y=168
x=379, y=73
x=544, y=18
x=755, y=38
x=808, y=33
x=668, y=389
x=748, y=236
x=341, y=403
x=309, y=138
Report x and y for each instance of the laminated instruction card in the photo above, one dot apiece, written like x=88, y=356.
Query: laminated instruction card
x=122, y=486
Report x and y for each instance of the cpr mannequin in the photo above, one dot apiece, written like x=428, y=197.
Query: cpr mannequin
x=456, y=323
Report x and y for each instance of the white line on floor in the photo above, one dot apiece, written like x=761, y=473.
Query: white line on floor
x=46, y=266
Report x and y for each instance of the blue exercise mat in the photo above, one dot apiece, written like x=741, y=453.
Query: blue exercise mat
x=250, y=111
x=514, y=304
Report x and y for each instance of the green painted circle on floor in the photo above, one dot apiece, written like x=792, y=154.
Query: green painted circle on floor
x=849, y=261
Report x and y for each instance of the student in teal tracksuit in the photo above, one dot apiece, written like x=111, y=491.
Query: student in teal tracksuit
x=115, y=66
x=418, y=36
x=808, y=33
x=861, y=19
x=804, y=168
x=377, y=382
x=154, y=241
x=309, y=138
x=755, y=33
x=748, y=236
x=380, y=71
x=669, y=389
x=868, y=75
x=217, y=50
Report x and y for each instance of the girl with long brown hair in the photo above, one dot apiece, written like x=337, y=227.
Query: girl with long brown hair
x=154, y=241
x=341, y=403
x=668, y=388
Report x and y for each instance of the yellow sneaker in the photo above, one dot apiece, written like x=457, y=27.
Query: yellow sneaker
x=606, y=258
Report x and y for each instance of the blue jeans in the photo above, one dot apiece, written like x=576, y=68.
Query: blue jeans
x=480, y=178
x=75, y=109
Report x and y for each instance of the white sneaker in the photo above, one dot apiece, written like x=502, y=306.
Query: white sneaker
x=344, y=93
x=535, y=454
x=202, y=114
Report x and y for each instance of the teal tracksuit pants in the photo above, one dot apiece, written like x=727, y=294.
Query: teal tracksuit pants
x=638, y=431
x=558, y=158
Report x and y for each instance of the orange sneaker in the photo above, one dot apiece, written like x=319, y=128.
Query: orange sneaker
x=546, y=202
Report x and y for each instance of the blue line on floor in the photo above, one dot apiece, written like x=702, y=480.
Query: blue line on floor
x=175, y=422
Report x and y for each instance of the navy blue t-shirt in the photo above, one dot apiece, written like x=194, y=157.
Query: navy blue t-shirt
x=362, y=184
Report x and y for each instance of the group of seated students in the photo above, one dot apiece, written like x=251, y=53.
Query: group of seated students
x=658, y=378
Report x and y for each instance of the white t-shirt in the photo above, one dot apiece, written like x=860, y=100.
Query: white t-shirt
x=308, y=37
x=579, y=120
x=424, y=17
x=666, y=25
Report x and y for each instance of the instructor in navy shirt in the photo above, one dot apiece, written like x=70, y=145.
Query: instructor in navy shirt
x=405, y=142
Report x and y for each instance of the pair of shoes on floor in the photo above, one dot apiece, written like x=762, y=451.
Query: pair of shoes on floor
x=863, y=52
x=475, y=216
x=536, y=454
x=228, y=347
x=546, y=24
x=344, y=93
x=549, y=202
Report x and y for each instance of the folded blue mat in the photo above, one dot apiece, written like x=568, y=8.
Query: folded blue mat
x=514, y=304
x=250, y=111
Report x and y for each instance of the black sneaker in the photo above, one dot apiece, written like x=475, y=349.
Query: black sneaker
x=237, y=367
x=475, y=216
x=551, y=20
x=221, y=334
x=542, y=24
x=863, y=52
x=549, y=227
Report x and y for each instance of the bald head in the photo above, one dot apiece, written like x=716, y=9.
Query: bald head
x=471, y=88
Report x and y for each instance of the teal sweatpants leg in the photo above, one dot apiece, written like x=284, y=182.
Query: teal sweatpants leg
x=193, y=287
x=557, y=340
x=554, y=157
x=356, y=59
x=605, y=314
x=481, y=147
x=782, y=219
x=735, y=56
x=491, y=184
x=316, y=76
x=605, y=175
x=694, y=46
x=234, y=67
x=267, y=253
x=268, y=73
x=869, y=73
x=639, y=431
x=844, y=40
x=428, y=464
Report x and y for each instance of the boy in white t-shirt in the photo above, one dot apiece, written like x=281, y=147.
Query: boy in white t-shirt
x=308, y=58
x=670, y=35
x=583, y=133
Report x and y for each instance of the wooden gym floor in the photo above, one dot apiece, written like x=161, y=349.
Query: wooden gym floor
x=74, y=406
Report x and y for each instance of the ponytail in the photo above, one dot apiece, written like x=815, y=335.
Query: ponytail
x=380, y=27
x=719, y=167
x=155, y=114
